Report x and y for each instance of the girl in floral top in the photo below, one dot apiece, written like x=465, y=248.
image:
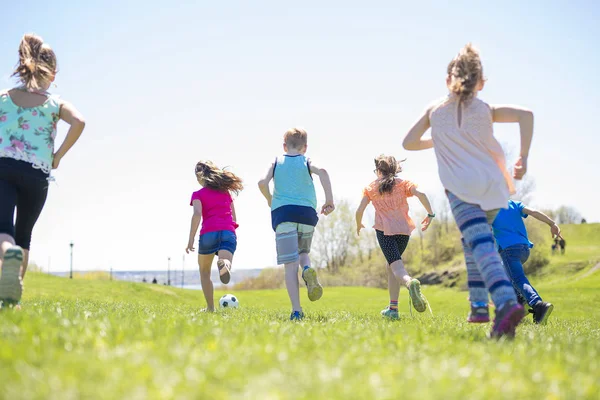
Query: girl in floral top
x=28, y=119
x=393, y=226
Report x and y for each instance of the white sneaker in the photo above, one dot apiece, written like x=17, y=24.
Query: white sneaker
x=11, y=286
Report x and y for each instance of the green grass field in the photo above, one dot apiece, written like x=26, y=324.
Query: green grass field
x=85, y=339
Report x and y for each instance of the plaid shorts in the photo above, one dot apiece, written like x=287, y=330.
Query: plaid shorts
x=292, y=239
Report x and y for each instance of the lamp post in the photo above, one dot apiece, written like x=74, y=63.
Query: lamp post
x=182, y=270
x=71, y=271
x=169, y=271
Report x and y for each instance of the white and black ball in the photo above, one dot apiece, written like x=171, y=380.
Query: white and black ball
x=229, y=301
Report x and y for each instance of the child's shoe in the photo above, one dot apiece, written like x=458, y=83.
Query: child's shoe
x=541, y=312
x=315, y=290
x=225, y=277
x=479, y=314
x=11, y=286
x=417, y=298
x=297, y=316
x=507, y=319
x=389, y=313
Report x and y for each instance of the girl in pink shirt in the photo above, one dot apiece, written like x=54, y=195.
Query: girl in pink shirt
x=393, y=226
x=213, y=206
x=473, y=170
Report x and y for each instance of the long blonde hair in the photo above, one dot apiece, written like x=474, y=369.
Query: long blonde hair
x=37, y=62
x=218, y=179
x=465, y=72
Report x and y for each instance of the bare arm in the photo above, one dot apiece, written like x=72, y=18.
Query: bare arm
x=71, y=116
x=425, y=201
x=502, y=113
x=323, y=175
x=413, y=140
x=360, y=212
x=540, y=216
x=196, y=217
x=263, y=184
x=233, y=215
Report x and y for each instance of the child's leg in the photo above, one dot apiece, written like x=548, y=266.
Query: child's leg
x=11, y=256
x=286, y=241
x=205, y=264
x=478, y=293
x=473, y=224
x=292, y=284
x=393, y=287
x=309, y=275
x=513, y=258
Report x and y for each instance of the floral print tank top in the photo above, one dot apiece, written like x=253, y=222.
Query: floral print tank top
x=27, y=134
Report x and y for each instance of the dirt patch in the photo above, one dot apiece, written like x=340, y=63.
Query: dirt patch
x=448, y=278
x=592, y=270
x=164, y=290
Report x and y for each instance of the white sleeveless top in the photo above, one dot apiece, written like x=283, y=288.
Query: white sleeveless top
x=471, y=162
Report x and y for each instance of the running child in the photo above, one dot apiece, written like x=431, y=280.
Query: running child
x=28, y=119
x=213, y=206
x=393, y=227
x=514, y=247
x=294, y=214
x=472, y=168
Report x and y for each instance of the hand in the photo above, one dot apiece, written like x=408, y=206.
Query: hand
x=190, y=247
x=520, y=168
x=327, y=208
x=425, y=223
x=555, y=231
x=56, y=161
x=358, y=228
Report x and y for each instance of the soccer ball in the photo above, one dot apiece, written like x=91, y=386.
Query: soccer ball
x=229, y=301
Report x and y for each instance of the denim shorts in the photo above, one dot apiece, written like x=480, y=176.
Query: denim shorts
x=212, y=242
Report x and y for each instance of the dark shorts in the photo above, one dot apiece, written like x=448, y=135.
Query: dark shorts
x=392, y=246
x=23, y=188
x=212, y=242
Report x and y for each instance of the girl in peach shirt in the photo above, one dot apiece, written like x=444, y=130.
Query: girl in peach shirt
x=393, y=226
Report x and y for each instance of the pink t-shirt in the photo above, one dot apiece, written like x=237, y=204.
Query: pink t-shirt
x=391, y=209
x=216, y=210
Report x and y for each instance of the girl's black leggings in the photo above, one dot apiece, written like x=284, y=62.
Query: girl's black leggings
x=25, y=189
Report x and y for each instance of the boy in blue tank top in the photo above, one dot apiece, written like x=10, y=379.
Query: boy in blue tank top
x=294, y=214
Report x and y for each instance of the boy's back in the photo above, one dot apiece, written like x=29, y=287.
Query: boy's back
x=294, y=196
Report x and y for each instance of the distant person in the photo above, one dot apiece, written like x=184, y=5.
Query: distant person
x=393, y=227
x=514, y=246
x=28, y=118
x=583, y=221
x=154, y=281
x=213, y=205
x=144, y=280
x=294, y=213
x=472, y=169
x=563, y=244
x=555, y=246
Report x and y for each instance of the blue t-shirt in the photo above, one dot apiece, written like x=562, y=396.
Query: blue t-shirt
x=509, y=228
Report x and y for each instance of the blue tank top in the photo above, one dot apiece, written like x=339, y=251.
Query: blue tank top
x=294, y=196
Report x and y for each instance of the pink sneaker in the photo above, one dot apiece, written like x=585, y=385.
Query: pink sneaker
x=507, y=319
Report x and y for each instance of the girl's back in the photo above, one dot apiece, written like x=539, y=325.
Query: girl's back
x=391, y=209
x=471, y=162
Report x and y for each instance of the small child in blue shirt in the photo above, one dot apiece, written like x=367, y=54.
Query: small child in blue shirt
x=514, y=247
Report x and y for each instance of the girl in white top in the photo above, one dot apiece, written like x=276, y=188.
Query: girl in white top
x=473, y=171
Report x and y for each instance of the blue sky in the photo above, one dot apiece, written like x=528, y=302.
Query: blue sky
x=163, y=87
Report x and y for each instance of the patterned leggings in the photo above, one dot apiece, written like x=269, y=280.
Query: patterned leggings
x=485, y=271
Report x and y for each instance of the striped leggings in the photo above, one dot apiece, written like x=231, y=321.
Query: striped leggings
x=485, y=271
